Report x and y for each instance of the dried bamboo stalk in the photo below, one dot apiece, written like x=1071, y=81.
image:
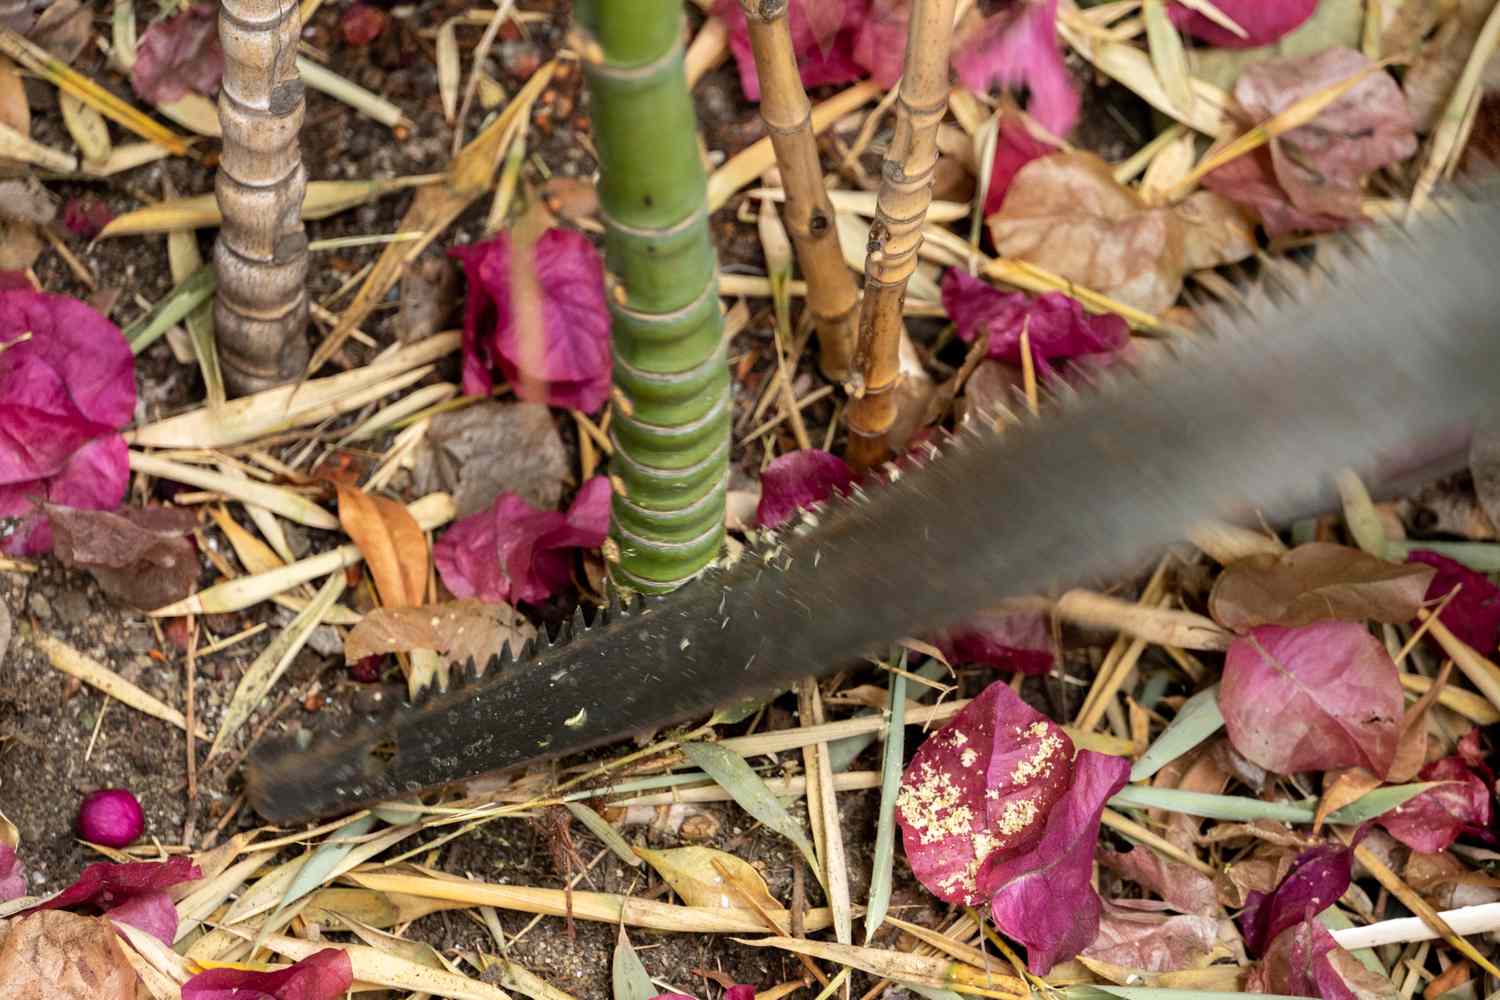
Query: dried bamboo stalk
x=896, y=233
x=260, y=311
x=831, y=294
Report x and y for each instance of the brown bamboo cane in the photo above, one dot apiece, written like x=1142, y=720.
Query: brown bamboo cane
x=260, y=310
x=832, y=297
x=896, y=233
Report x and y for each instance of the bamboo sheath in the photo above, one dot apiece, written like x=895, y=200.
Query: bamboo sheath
x=260, y=309
x=671, y=376
x=896, y=233
x=832, y=297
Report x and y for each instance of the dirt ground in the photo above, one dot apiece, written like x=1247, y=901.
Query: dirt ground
x=60, y=740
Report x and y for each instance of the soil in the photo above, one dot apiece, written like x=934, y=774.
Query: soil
x=60, y=739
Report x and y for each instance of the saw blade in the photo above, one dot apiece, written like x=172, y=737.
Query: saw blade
x=1390, y=355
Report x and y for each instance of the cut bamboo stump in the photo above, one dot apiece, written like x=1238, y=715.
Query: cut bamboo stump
x=260, y=311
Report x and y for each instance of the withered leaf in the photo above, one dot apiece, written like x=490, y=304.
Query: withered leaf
x=1215, y=231
x=391, y=541
x=1411, y=747
x=693, y=874
x=1428, y=81
x=141, y=556
x=56, y=955
x=1066, y=213
x=1314, y=582
x=461, y=630
x=1136, y=934
x=15, y=109
x=481, y=451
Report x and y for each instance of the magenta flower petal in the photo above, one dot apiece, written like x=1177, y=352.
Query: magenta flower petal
x=1317, y=879
x=112, y=817
x=1264, y=21
x=86, y=216
x=880, y=46
x=740, y=991
x=571, y=367
x=67, y=385
x=1474, y=613
x=825, y=51
x=1313, y=698
x=1018, y=48
x=179, y=55
x=125, y=892
x=152, y=912
x=12, y=875
x=1042, y=897
x=1431, y=821
x=1057, y=326
x=513, y=552
x=323, y=975
x=978, y=790
x=1305, y=960
x=798, y=480
x=1014, y=148
x=1016, y=641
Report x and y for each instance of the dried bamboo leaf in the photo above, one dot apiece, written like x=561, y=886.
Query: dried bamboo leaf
x=604, y=907
x=125, y=157
x=201, y=904
x=319, y=864
x=900, y=966
x=605, y=831
x=627, y=975
x=883, y=864
x=1195, y=722
x=184, y=297
x=73, y=663
x=289, y=505
x=373, y=909
x=15, y=146
x=87, y=127
x=1162, y=626
x=195, y=113
x=376, y=967
x=693, y=874
x=273, y=661
x=324, y=198
x=320, y=78
x=735, y=776
x=275, y=410
x=1168, y=56
x=431, y=511
x=449, y=70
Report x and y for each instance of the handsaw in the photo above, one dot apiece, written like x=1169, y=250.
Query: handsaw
x=1376, y=359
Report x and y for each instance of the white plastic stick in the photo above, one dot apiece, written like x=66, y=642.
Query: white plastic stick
x=1465, y=920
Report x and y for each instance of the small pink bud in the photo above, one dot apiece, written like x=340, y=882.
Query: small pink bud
x=112, y=817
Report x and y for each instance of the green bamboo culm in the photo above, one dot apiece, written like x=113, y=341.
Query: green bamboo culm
x=672, y=407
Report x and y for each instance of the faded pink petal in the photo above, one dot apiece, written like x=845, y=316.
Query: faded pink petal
x=1016, y=641
x=1018, y=48
x=1015, y=147
x=1150, y=940
x=362, y=24
x=1316, y=171
x=179, y=55
x=797, y=480
x=978, y=791
x=1264, y=21
x=1183, y=888
x=1042, y=896
x=1474, y=613
x=1057, y=326
x=1317, y=879
x=824, y=50
x=15, y=281
x=323, y=975
x=1313, y=698
x=1432, y=820
x=513, y=552
x=12, y=875
x=575, y=363
x=152, y=912
x=67, y=384
x=740, y=991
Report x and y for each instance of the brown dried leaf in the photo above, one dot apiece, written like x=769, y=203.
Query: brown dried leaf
x=461, y=630
x=1137, y=938
x=19, y=245
x=571, y=198
x=391, y=541
x=481, y=451
x=1316, y=582
x=1447, y=883
x=1215, y=231
x=1341, y=788
x=15, y=109
x=691, y=873
x=140, y=556
x=1185, y=889
x=1066, y=213
x=57, y=955
x=1411, y=748
x=1429, y=80
x=430, y=295
x=63, y=29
